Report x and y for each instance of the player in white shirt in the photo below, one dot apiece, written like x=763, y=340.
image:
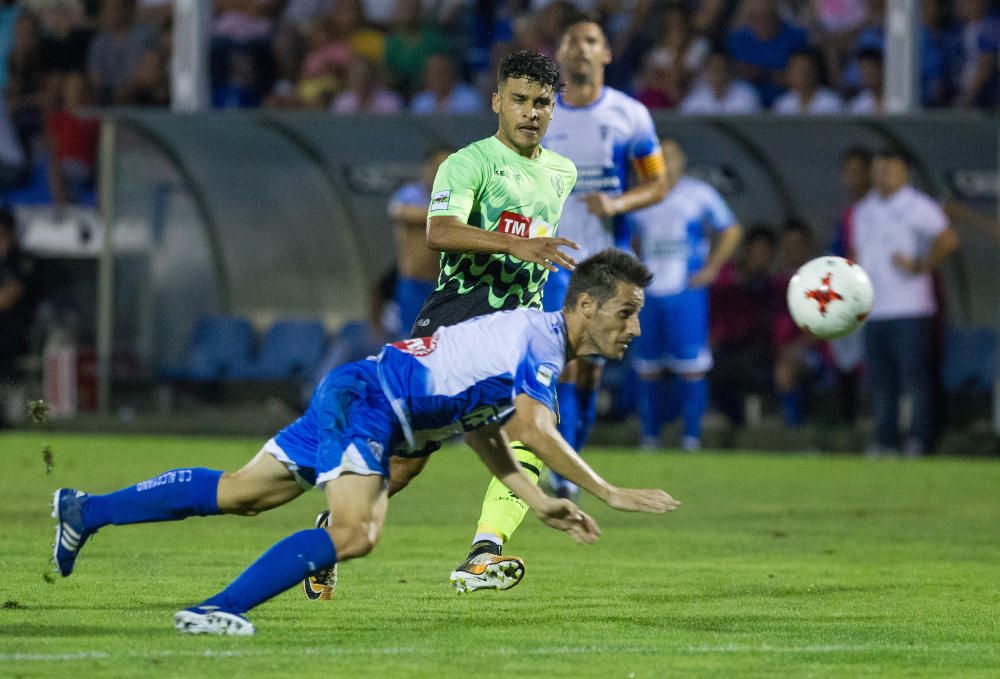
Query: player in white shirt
x=608, y=136
x=805, y=96
x=684, y=240
x=900, y=236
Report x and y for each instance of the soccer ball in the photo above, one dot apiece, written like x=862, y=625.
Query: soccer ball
x=830, y=297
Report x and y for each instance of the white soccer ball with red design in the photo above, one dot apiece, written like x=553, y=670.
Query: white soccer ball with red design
x=830, y=297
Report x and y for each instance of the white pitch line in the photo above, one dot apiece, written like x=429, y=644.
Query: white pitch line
x=501, y=651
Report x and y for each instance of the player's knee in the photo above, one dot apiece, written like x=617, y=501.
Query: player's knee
x=235, y=497
x=356, y=539
x=692, y=377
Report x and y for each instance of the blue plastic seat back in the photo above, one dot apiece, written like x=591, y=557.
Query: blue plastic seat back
x=970, y=359
x=290, y=349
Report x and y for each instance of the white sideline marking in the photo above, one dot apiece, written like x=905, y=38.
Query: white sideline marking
x=503, y=651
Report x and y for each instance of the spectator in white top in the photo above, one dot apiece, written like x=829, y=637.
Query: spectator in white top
x=805, y=95
x=900, y=236
x=365, y=92
x=443, y=92
x=719, y=92
x=871, y=99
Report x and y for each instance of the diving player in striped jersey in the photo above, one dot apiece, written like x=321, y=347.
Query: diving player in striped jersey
x=472, y=377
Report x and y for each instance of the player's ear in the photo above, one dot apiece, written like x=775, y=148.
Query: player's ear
x=496, y=101
x=586, y=305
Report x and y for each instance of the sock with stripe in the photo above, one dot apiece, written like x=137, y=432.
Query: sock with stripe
x=502, y=510
x=285, y=564
x=171, y=496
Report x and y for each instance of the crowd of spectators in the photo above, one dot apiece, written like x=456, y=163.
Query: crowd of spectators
x=59, y=57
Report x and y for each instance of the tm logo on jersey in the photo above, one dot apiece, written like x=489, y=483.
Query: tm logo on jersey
x=514, y=224
x=440, y=201
x=417, y=346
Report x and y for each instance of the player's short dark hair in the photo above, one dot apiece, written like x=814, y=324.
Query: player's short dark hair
x=438, y=149
x=8, y=222
x=857, y=153
x=760, y=231
x=892, y=153
x=870, y=54
x=581, y=17
x=534, y=66
x=599, y=275
x=798, y=225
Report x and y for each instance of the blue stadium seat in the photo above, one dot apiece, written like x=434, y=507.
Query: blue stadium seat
x=290, y=349
x=220, y=348
x=969, y=360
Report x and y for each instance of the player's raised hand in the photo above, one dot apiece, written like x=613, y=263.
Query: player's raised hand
x=566, y=516
x=653, y=500
x=544, y=251
x=601, y=205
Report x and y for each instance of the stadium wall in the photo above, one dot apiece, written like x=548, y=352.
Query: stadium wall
x=276, y=215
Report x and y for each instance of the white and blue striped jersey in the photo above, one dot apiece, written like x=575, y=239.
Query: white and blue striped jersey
x=602, y=139
x=468, y=375
x=674, y=235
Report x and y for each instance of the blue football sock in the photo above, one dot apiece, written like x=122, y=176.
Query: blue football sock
x=694, y=398
x=650, y=407
x=285, y=564
x=673, y=397
x=586, y=415
x=171, y=496
x=792, y=407
x=568, y=412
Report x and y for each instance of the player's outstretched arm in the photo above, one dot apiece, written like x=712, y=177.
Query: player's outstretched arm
x=493, y=449
x=450, y=234
x=534, y=425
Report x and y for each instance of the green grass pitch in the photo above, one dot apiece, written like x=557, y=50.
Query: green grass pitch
x=774, y=566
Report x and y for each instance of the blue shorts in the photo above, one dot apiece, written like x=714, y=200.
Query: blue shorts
x=410, y=296
x=554, y=292
x=674, y=333
x=349, y=427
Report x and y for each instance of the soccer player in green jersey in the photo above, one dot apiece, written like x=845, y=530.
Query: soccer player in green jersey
x=494, y=213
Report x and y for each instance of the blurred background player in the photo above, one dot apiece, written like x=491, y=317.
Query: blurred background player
x=685, y=240
x=901, y=235
x=848, y=352
x=607, y=135
x=416, y=264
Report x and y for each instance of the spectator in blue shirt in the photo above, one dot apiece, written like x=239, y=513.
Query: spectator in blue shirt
x=761, y=47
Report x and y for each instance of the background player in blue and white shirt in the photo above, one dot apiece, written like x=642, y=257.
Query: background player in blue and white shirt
x=675, y=238
x=469, y=377
x=611, y=139
x=416, y=264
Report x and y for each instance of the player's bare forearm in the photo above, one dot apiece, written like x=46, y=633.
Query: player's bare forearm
x=945, y=244
x=722, y=252
x=449, y=234
x=493, y=449
x=410, y=215
x=534, y=425
x=649, y=191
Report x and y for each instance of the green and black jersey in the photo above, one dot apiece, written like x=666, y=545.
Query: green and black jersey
x=490, y=186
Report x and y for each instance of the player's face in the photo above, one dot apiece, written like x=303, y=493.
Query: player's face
x=614, y=324
x=889, y=174
x=525, y=110
x=583, y=52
